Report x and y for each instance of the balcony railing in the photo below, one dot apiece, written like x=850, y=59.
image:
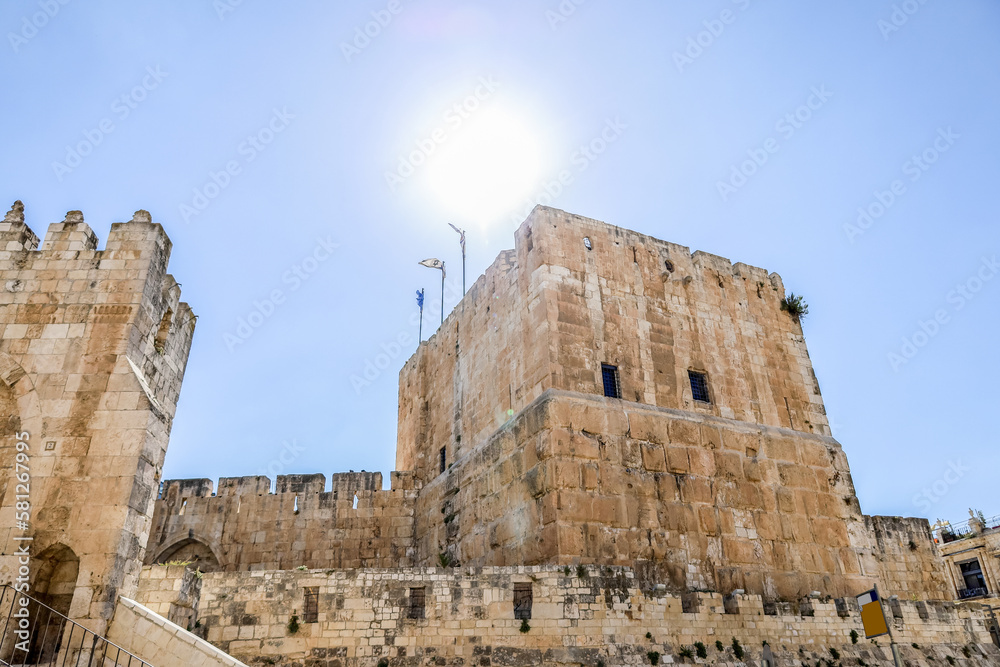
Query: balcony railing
x=37, y=634
x=968, y=593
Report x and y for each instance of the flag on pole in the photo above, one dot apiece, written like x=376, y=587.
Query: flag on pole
x=433, y=264
x=872, y=615
x=420, y=299
x=461, y=233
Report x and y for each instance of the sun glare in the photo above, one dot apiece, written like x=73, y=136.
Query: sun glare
x=488, y=167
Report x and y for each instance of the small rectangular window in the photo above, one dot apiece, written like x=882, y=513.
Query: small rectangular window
x=612, y=387
x=522, y=601
x=699, y=386
x=442, y=455
x=310, y=606
x=416, y=603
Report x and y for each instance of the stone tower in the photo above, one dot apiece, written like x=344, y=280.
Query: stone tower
x=93, y=347
x=601, y=396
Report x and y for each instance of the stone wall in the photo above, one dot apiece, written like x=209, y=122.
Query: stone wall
x=93, y=347
x=245, y=526
x=909, y=563
x=172, y=592
x=549, y=313
x=578, y=617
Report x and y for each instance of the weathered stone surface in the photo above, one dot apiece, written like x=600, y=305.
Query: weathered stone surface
x=93, y=346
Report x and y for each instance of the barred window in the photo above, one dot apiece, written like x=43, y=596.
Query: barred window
x=522, y=601
x=699, y=386
x=612, y=387
x=442, y=456
x=416, y=603
x=310, y=607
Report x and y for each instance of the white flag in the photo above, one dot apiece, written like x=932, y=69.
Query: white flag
x=433, y=263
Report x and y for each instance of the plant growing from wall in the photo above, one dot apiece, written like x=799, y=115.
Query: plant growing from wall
x=835, y=653
x=581, y=572
x=700, y=650
x=654, y=657
x=293, y=624
x=854, y=636
x=686, y=653
x=795, y=305
x=525, y=628
x=737, y=649
x=718, y=645
x=444, y=558
x=384, y=662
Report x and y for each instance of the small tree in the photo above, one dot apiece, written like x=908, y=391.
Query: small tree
x=795, y=305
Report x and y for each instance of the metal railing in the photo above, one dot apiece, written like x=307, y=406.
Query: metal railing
x=36, y=634
x=960, y=531
x=967, y=593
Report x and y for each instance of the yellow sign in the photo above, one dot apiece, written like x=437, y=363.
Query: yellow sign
x=872, y=615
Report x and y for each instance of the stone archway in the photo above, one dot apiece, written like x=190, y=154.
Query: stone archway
x=190, y=550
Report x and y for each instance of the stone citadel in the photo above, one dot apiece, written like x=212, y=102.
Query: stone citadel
x=613, y=452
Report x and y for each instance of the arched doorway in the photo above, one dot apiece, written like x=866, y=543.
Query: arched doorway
x=55, y=571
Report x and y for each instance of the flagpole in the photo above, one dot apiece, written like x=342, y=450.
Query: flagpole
x=442, y=292
x=461, y=234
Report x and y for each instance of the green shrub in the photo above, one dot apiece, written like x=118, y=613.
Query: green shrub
x=524, y=626
x=737, y=649
x=854, y=636
x=700, y=650
x=686, y=653
x=718, y=645
x=835, y=653
x=293, y=624
x=654, y=657
x=795, y=306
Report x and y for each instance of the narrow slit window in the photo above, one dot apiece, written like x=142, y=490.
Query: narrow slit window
x=522, y=601
x=184, y=504
x=355, y=501
x=417, y=603
x=699, y=386
x=612, y=387
x=442, y=455
x=310, y=605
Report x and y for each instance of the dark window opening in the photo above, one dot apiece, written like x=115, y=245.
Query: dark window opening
x=442, y=455
x=310, y=607
x=416, y=603
x=612, y=387
x=972, y=574
x=699, y=386
x=522, y=601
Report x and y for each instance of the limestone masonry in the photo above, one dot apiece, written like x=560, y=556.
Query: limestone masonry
x=613, y=452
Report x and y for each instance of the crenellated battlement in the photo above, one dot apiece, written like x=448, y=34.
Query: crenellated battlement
x=94, y=344
x=353, y=523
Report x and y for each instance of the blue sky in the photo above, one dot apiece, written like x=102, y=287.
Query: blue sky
x=288, y=153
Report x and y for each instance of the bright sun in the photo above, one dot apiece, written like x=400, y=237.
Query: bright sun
x=487, y=168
